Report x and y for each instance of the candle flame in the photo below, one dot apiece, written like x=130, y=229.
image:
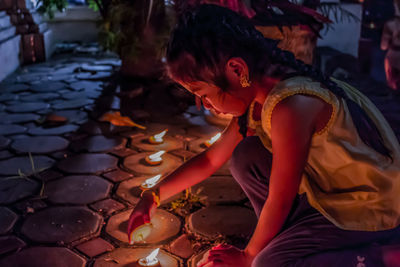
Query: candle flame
x=149, y=183
x=213, y=139
x=159, y=137
x=153, y=255
x=156, y=156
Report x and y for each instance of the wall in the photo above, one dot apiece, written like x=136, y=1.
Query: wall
x=345, y=35
x=77, y=23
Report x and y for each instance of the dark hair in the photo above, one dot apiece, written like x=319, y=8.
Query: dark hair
x=206, y=37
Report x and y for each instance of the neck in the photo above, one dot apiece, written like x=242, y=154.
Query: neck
x=263, y=88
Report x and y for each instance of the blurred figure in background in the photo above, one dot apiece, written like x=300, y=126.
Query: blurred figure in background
x=391, y=42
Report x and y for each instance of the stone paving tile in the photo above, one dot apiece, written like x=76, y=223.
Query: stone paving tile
x=60, y=130
x=107, y=206
x=225, y=220
x=98, y=76
x=14, y=189
x=129, y=257
x=5, y=154
x=182, y=247
x=61, y=224
x=26, y=107
x=49, y=175
x=40, y=144
x=73, y=116
x=4, y=142
x=87, y=163
x=72, y=104
x=117, y=175
x=170, y=143
x=205, y=132
x=136, y=163
x=48, y=86
x=44, y=257
x=124, y=152
x=10, y=243
x=23, y=164
x=7, y=220
x=39, y=97
x=164, y=226
x=220, y=190
x=30, y=206
x=183, y=154
x=77, y=190
x=7, y=129
x=102, y=128
x=14, y=88
x=96, y=68
x=95, y=247
x=129, y=190
x=8, y=97
x=81, y=85
x=18, y=118
x=99, y=143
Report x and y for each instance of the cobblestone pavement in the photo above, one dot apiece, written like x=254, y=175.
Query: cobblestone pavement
x=68, y=181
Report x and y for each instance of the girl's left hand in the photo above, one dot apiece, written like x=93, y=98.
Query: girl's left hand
x=225, y=256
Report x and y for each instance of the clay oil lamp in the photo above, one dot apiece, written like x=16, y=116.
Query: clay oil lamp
x=157, y=138
x=212, y=140
x=141, y=233
x=155, y=159
x=149, y=183
x=150, y=260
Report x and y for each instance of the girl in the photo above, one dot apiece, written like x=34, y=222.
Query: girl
x=317, y=160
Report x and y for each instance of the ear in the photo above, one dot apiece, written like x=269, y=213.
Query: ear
x=236, y=67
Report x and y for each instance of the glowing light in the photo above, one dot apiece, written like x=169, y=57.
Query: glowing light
x=149, y=183
x=213, y=139
x=151, y=259
x=141, y=233
x=156, y=157
x=158, y=138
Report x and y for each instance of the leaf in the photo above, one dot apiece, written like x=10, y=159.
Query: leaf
x=116, y=119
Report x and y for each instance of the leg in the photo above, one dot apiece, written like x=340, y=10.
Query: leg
x=251, y=168
x=309, y=239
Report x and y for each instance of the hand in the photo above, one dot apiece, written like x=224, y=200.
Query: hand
x=225, y=256
x=141, y=214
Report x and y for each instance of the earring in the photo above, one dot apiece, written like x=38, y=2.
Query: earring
x=244, y=81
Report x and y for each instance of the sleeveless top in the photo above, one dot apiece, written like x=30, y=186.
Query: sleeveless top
x=348, y=182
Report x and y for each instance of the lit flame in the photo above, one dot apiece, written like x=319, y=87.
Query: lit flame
x=153, y=255
x=213, y=139
x=159, y=137
x=156, y=156
x=149, y=183
x=151, y=259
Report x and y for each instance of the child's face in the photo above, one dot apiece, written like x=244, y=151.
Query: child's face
x=216, y=99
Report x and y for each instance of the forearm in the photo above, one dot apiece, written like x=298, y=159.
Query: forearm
x=272, y=218
x=188, y=174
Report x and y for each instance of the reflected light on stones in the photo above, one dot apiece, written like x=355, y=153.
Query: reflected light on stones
x=141, y=232
x=213, y=139
x=150, y=260
x=149, y=183
x=155, y=159
x=158, y=138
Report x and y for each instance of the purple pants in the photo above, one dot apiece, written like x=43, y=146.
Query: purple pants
x=307, y=238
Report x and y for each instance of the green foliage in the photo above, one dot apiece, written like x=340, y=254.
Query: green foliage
x=50, y=6
x=93, y=5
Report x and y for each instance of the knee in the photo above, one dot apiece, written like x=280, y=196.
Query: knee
x=267, y=258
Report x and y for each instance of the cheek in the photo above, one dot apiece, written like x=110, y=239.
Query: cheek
x=234, y=105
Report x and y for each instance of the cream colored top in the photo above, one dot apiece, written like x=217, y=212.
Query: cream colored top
x=352, y=185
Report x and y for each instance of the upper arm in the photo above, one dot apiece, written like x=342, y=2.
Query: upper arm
x=293, y=124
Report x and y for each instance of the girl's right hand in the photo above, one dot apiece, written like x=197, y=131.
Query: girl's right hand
x=141, y=214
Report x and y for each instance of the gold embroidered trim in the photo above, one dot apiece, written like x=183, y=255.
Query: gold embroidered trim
x=306, y=92
x=251, y=122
